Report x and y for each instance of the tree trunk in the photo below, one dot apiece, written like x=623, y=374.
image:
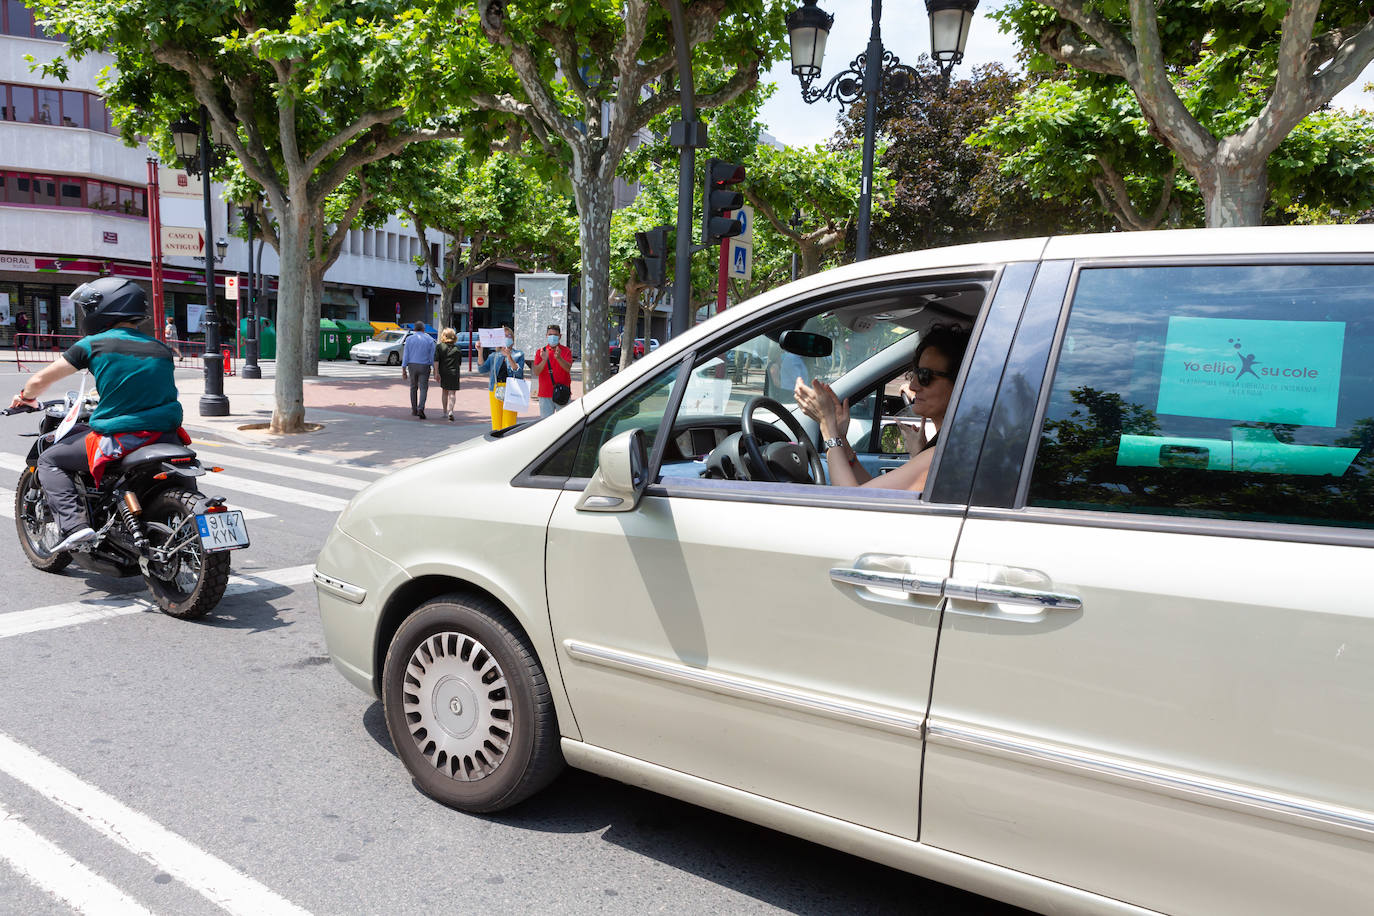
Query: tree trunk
x=288, y=414
x=310, y=318
x=811, y=255
x=1234, y=188
x=594, y=204
x=445, y=318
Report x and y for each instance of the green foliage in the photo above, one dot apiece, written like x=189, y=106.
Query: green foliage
x=945, y=188
x=1221, y=61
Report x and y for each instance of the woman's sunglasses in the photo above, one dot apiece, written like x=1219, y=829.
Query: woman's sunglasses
x=924, y=376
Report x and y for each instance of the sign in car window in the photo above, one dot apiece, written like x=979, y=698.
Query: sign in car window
x=1252, y=370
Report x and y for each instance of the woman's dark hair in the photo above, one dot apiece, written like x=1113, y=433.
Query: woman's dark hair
x=949, y=339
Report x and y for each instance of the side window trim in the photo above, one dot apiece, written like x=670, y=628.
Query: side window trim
x=665, y=426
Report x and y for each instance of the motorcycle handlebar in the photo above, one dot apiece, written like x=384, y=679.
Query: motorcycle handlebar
x=24, y=408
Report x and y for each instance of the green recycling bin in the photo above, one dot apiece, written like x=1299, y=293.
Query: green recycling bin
x=354, y=332
x=330, y=338
x=267, y=339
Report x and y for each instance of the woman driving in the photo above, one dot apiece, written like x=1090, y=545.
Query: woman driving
x=929, y=382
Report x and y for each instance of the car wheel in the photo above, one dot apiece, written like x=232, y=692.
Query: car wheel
x=393, y=359
x=468, y=706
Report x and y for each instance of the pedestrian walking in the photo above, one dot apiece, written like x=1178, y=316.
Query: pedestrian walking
x=169, y=336
x=417, y=362
x=21, y=331
x=448, y=360
x=502, y=363
x=553, y=368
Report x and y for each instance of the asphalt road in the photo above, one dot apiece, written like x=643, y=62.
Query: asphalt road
x=151, y=764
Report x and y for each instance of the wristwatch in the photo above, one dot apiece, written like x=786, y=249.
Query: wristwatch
x=834, y=442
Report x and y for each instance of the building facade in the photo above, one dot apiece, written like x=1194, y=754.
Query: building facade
x=74, y=205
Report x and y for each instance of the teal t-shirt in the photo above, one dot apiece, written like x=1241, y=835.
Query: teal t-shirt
x=135, y=376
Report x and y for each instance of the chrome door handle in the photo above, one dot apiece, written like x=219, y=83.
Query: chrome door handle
x=903, y=582
x=998, y=593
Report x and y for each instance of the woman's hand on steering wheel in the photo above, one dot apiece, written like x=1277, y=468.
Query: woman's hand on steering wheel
x=799, y=438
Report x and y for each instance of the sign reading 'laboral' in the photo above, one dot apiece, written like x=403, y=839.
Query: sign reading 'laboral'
x=1252, y=370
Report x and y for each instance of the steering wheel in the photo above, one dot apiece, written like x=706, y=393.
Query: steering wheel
x=794, y=457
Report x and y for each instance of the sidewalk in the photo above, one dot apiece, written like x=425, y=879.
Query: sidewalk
x=361, y=420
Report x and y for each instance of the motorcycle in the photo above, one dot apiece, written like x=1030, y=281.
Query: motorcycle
x=148, y=513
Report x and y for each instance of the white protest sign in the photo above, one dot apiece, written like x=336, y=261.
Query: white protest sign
x=491, y=337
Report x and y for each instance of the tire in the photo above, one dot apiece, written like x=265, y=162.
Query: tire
x=468, y=706
x=37, y=529
x=393, y=359
x=191, y=585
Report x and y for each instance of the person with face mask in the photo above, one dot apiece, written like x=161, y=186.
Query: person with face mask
x=501, y=364
x=553, y=368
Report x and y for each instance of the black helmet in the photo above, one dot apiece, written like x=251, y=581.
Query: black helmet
x=108, y=301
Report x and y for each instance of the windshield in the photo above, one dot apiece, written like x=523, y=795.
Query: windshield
x=392, y=336
x=722, y=385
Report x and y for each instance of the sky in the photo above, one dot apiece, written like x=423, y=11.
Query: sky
x=906, y=33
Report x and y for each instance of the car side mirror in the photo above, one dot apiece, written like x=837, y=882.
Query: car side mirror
x=619, y=480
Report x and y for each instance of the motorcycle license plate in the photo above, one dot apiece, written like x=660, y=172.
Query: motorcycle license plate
x=222, y=531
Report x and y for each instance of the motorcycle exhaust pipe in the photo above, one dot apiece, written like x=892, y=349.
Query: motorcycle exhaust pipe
x=131, y=501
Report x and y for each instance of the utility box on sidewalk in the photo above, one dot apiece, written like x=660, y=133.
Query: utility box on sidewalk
x=353, y=332
x=330, y=338
x=541, y=300
x=267, y=338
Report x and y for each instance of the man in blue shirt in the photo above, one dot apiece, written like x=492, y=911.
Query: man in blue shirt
x=134, y=374
x=417, y=361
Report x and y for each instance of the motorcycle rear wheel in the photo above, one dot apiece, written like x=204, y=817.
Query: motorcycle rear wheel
x=192, y=582
x=38, y=530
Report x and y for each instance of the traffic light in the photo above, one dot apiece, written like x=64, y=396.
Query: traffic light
x=652, y=267
x=718, y=199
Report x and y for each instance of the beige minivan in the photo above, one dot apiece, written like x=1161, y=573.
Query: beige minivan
x=1115, y=655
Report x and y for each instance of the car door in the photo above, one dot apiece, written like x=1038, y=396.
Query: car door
x=1156, y=667
x=773, y=638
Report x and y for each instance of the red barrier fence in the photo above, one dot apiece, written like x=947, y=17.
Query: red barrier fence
x=32, y=347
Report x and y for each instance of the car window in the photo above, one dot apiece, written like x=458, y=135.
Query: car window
x=643, y=408
x=1230, y=392
x=721, y=385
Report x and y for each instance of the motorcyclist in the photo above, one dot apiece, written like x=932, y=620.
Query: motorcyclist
x=134, y=373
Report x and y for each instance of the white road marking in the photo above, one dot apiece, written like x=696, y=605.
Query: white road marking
x=297, y=456
x=56, y=616
x=236, y=463
x=216, y=880
x=252, y=487
x=47, y=866
x=11, y=462
x=7, y=509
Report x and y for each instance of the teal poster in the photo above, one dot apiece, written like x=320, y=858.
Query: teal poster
x=1252, y=371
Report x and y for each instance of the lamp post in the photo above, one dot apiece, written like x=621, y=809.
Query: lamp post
x=191, y=139
x=251, y=369
x=808, y=26
x=423, y=278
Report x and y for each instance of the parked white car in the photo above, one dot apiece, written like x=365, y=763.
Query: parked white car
x=386, y=348
x=1142, y=553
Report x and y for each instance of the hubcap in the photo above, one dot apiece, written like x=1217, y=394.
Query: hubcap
x=457, y=706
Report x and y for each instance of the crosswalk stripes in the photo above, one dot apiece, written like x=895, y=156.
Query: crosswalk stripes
x=216, y=880
x=238, y=462
x=12, y=462
x=45, y=864
x=55, y=616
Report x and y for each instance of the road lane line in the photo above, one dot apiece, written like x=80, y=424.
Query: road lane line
x=220, y=883
x=7, y=510
x=56, y=616
x=46, y=865
x=236, y=463
x=12, y=462
x=272, y=491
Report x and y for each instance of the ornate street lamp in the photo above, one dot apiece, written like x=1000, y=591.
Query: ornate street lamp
x=192, y=143
x=423, y=278
x=808, y=27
